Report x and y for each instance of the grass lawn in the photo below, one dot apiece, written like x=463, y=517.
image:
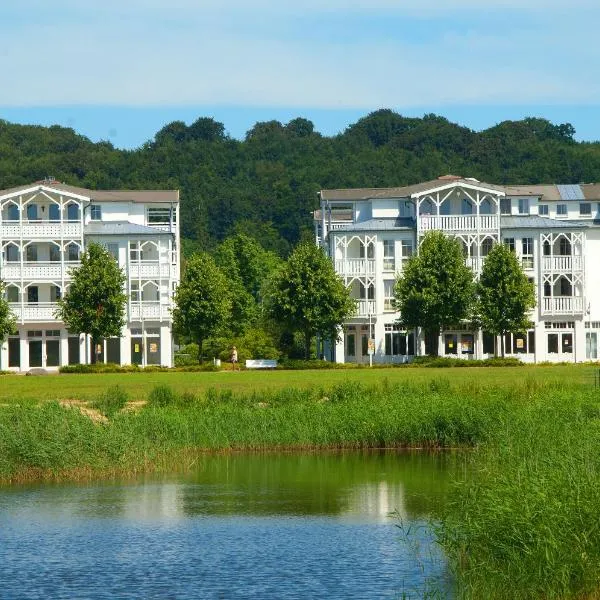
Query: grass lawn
x=16, y=388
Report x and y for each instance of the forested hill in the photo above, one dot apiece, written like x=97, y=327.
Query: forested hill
x=267, y=184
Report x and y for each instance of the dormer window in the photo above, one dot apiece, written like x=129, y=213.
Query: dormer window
x=561, y=210
x=96, y=212
x=585, y=209
x=505, y=206
x=523, y=206
x=543, y=210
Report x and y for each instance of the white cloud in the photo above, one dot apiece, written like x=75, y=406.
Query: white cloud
x=128, y=56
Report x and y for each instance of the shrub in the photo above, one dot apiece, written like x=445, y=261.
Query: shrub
x=111, y=401
x=162, y=395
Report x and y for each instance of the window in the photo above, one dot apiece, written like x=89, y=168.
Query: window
x=134, y=251
x=398, y=342
x=561, y=210
x=566, y=288
x=351, y=345
x=12, y=253
x=12, y=294
x=388, y=294
x=389, y=253
x=567, y=343
x=585, y=209
x=367, y=293
x=543, y=210
x=450, y=343
x=31, y=253
x=510, y=243
x=407, y=251
x=55, y=293
x=54, y=253
x=32, y=212
x=523, y=206
x=72, y=252
x=53, y=333
x=72, y=212
x=34, y=333
x=96, y=212
x=32, y=294
x=113, y=250
x=135, y=291
x=527, y=247
x=13, y=212
x=159, y=216
x=489, y=343
x=467, y=207
x=564, y=247
x=486, y=246
x=370, y=250
x=467, y=343
x=505, y=206
x=54, y=212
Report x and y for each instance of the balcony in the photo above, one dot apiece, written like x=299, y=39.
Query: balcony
x=364, y=308
x=154, y=311
x=36, y=271
x=355, y=267
x=38, y=311
x=562, y=305
x=151, y=269
x=41, y=230
x=474, y=263
x=483, y=223
x=562, y=264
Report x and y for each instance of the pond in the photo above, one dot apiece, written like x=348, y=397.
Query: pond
x=262, y=526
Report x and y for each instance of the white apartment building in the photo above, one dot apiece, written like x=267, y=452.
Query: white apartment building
x=554, y=229
x=44, y=228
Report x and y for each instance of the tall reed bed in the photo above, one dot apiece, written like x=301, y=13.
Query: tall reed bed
x=525, y=523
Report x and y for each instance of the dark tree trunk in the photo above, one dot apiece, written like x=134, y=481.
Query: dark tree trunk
x=199, y=342
x=307, y=338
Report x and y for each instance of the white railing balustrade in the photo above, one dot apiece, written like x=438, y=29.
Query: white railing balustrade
x=458, y=222
x=355, y=266
x=41, y=229
x=38, y=311
x=474, y=263
x=150, y=269
x=560, y=305
x=364, y=308
x=37, y=270
x=562, y=263
x=148, y=310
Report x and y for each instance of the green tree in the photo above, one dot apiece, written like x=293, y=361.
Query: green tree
x=436, y=288
x=7, y=318
x=504, y=294
x=95, y=301
x=306, y=295
x=202, y=300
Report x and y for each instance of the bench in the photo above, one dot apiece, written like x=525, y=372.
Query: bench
x=261, y=364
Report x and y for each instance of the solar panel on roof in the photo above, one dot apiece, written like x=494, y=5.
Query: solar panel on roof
x=570, y=192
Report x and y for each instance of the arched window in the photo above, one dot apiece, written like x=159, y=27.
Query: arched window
x=564, y=247
x=486, y=246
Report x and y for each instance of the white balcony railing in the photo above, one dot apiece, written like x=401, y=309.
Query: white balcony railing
x=474, y=263
x=38, y=270
x=355, y=266
x=150, y=269
x=458, y=222
x=364, y=308
x=41, y=230
x=562, y=305
x=149, y=310
x=38, y=311
x=560, y=264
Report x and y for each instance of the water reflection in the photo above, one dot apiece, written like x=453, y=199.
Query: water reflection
x=263, y=525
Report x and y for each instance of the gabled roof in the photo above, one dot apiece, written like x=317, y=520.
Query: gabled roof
x=121, y=228
x=142, y=196
x=408, y=191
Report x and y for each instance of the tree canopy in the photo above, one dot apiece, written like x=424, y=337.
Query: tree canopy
x=307, y=296
x=436, y=289
x=267, y=183
x=504, y=294
x=202, y=300
x=95, y=301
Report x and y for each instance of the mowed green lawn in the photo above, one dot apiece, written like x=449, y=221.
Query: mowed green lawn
x=18, y=388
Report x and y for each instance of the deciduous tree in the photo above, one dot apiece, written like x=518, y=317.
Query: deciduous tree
x=505, y=295
x=436, y=288
x=307, y=295
x=95, y=301
x=202, y=300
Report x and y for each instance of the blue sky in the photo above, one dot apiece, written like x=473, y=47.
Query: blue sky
x=120, y=70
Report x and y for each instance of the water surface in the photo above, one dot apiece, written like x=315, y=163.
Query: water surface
x=263, y=526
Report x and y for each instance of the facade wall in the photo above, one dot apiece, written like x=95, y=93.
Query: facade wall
x=557, y=254
x=148, y=255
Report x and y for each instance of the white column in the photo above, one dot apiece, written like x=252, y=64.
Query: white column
x=339, y=349
x=579, y=342
x=24, y=347
x=4, y=356
x=166, y=345
x=125, y=346
x=64, y=347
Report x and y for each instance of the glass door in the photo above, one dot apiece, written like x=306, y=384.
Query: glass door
x=591, y=345
x=52, y=353
x=35, y=353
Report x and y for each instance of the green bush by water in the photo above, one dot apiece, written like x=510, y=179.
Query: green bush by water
x=111, y=401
